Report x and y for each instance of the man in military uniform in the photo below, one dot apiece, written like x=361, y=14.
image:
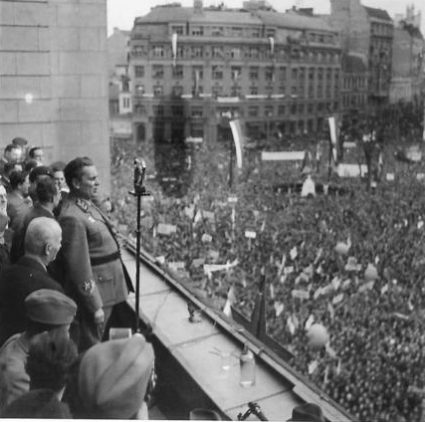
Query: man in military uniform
x=90, y=258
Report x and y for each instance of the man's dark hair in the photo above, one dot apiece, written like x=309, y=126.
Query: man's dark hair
x=51, y=355
x=46, y=190
x=30, y=164
x=74, y=169
x=40, y=171
x=32, y=151
x=9, y=147
x=9, y=167
x=17, y=178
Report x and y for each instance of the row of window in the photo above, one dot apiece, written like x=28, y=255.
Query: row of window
x=254, y=73
x=234, y=52
x=359, y=100
x=268, y=111
x=241, y=32
x=382, y=29
x=218, y=90
x=355, y=82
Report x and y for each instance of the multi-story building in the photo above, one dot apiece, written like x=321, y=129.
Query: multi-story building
x=407, y=81
x=194, y=68
x=53, y=78
x=367, y=31
x=120, y=101
x=354, y=89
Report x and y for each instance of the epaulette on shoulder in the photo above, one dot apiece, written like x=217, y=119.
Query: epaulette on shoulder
x=81, y=203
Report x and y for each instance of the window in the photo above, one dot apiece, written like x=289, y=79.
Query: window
x=139, y=71
x=140, y=89
x=294, y=74
x=269, y=74
x=270, y=32
x=197, y=52
x=157, y=71
x=126, y=102
x=237, y=31
x=256, y=33
x=138, y=51
x=235, y=91
x=158, y=51
x=217, y=90
x=198, y=30
x=197, y=72
x=253, y=111
x=282, y=74
x=253, y=73
x=281, y=110
x=217, y=52
x=177, y=29
x=178, y=72
x=158, y=90
x=217, y=31
x=294, y=90
x=300, y=108
x=177, y=110
x=294, y=108
x=217, y=72
x=253, y=90
x=311, y=73
x=197, y=112
x=310, y=108
x=253, y=53
x=177, y=91
x=269, y=90
x=158, y=110
x=282, y=89
x=139, y=109
x=268, y=111
x=235, y=53
x=236, y=72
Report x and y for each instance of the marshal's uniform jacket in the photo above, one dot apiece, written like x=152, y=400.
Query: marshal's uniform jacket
x=91, y=263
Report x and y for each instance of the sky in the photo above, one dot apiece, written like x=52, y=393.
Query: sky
x=121, y=13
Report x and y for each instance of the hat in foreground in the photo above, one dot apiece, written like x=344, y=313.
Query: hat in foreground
x=50, y=307
x=113, y=377
x=307, y=412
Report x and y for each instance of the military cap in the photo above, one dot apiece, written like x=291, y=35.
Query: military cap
x=51, y=307
x=20, y=142
x=114, y=376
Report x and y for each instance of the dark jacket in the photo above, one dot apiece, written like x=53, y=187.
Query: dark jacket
x=18, y=242
x=17, y=281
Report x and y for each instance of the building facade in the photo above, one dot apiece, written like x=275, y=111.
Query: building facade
x=193, y=69
x=369, y=32
x=407, y=83
x=53, y=78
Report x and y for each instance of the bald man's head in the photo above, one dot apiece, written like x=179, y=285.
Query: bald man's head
x=43, y=238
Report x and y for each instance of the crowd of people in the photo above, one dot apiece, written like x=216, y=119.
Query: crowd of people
x=352, y=262
x=62, y=283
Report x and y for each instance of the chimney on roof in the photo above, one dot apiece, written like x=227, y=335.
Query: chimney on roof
x=198, y=7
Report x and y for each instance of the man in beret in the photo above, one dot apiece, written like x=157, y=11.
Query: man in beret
x=94, y=273
x=29, y=273
x=112, y=380
x=46, y=310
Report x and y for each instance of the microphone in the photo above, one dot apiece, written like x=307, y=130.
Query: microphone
x=256, y=409
x=139, y=175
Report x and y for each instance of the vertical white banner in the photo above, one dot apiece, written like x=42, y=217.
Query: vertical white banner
x=332, y=130
x=238, y=139
x=174, y=48
x=271, y=40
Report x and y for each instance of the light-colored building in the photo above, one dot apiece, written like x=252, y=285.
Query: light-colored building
x=193, y=68
x=408, y=63
x=53, y=78
x=120, y=99
x=369, y=32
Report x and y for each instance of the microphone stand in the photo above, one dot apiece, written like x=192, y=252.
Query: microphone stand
x=139, y=191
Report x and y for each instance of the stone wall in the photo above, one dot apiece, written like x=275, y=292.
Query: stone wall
x=53, y=78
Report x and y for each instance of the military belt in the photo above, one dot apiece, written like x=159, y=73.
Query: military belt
x=99, y=260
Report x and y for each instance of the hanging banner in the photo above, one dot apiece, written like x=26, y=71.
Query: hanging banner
x=271, y=40
x=235, y=126
x=333, y=135
x=174, y=48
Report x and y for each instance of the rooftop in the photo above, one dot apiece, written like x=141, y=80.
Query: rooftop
x=378, y=13
x=175, y=13
x=353, y=63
